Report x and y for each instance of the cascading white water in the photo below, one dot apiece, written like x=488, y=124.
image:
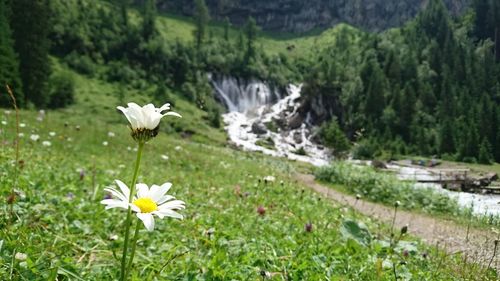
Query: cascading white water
x=243, y=96
x=254, y=104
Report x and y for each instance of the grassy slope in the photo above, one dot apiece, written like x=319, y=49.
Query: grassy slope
x=175, y=27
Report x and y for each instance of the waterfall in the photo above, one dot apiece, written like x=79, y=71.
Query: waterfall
x=243, y=96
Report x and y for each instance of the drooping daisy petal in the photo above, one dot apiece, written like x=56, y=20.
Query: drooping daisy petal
x=171, y=113
x=148, y=220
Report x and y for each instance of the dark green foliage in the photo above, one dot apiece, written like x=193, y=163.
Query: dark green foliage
x=9, y=65
x=251, y=34
x=485, y=154
x=333, y=136
x=62, y=90
x=201, y=18
x=387, y=189
x=31, y=27
x=148, y=21
x=423, y=89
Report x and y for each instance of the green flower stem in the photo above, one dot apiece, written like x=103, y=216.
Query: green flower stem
x=123, y=275
x=134, y=243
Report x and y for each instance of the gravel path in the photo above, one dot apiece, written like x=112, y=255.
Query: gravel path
x=478, y=247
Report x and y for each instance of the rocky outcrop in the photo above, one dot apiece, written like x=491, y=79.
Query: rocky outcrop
x=305, y=15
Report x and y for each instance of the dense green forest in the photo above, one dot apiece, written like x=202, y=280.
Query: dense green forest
x=431, y=87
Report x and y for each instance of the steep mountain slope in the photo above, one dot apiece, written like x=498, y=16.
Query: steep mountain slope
x=306, y=15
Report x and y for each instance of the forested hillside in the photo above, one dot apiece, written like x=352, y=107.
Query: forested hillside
x=430, y=87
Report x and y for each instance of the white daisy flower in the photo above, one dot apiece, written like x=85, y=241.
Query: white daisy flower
x=21, y=256
x=164, y=157
x=4, y=122
x=144, y=121
x=46, y=143
x=147, y=203
x=269, y=178
x=52, y=134
x=22, y=125
x=111, y=134
x=34, y=137
x=105, y=143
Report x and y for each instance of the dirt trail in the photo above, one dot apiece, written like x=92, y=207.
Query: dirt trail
x=434, y=231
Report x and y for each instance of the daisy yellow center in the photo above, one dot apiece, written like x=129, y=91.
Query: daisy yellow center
x=146, y=205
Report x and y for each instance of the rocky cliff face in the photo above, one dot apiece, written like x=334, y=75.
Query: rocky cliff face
x=305, y=15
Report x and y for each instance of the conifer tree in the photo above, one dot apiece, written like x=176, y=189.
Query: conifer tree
x=31, y=27
x=9, y=65
x=149, y=17
x=201, y=18
x=251, y=30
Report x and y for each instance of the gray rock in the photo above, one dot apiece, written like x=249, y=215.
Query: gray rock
x=297, y=137
x=302, y=16
x=295, y=121
x=259, y=128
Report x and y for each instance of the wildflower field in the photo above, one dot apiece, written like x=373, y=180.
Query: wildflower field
x=245, y=216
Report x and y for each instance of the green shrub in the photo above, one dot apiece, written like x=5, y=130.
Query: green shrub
x=386, y=188
x=62, y=90
x=333, y=137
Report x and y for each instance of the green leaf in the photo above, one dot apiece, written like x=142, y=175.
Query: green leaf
x=356, y=231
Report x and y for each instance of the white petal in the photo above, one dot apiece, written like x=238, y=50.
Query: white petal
x=173, y=205
x=142, y=190
x=171, y=113
x=153, y=120
x=124, y=188
x=156, y=192
x=148, y=220
x=116, y=193
x=164, y=199
x=168, y=213
x=164, y=107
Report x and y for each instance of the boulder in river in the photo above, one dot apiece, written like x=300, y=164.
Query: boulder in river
x=259, y=128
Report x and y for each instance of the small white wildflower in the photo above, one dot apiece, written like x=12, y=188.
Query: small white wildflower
x=52, y=134
x=7, y=112
x=69, y=139
x=21, y=256
x=111, y=134
x=105, y=143
x=34, y=137
x=129, y=148
x=22, y=125
x=269, y=178
x=4, y=122
x=46, y=143
x=178, y=148
x=21, y=135
x=164, y=157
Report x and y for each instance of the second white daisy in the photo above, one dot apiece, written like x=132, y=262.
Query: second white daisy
x=148, y=202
